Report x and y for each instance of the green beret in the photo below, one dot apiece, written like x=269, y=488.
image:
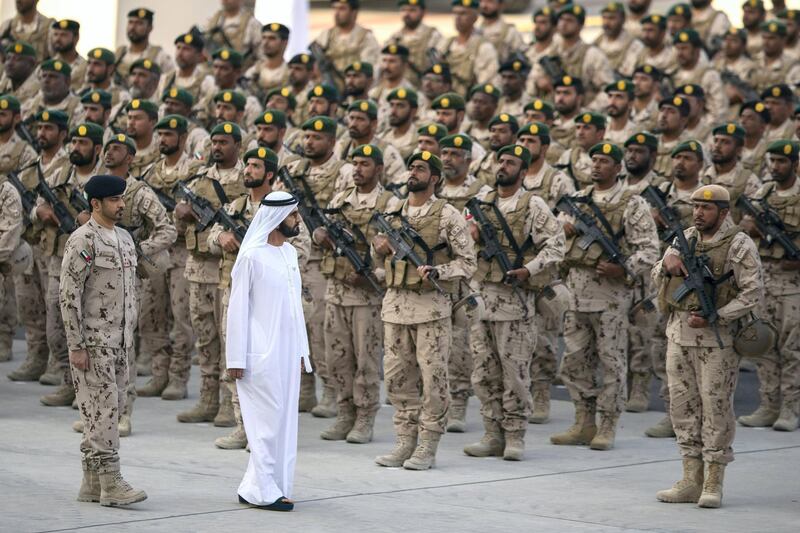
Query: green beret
x=474, y=4
x=517, y=150
x=227, y=128
x=759, y=108
x=575, y=10
x=758, y=4
x=97, y=96
x=66, y=24
x=591, y=117
x=614, y=7
x=459, y=140
x=269, y=157
x=485, y=88
x=285, y=92
x=141, y=13
x=360, y=66
x=368, y=150
x=102, y=54
x=678, y=102
x=739, y=33
x=403, y=93
x=624, y=86
x=691, y=89
x=418, y=3
x=505, y=118
x=780, y=90
x=89, y=130
x=9, y=102
x=306, y=60
x=22, y=49
x=655, y=20
x=104, y=186
x=434, y=163
x=147, y=106
x=775, y=27
x=320, y=124
x=788, y=14
x=545, y=11
x=195, y=40
x=712, y=193
x=176, y=123
x=433, y=129
x=181, y=95
x=543, y=106
x=689, y=36
x=681, y=10
x=649, y=70
x=121, y=138
x=785, y=147
x=56, y=65
x=536, y=129
x=53, y=116
x=569, y=81
x=730, y=129
x=517, y=65
x=643, y=138
x=234, y=98
x=271, y=117
x=276, y=27
x=688, y=146
x=325, y=91
x=611, y=150
x=395, y=50
x=230, y=55
x=449, y=101
x=440, y=69
x=364, y=106
x=146, y=64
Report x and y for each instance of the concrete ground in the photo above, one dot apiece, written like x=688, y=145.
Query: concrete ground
x=192, y=485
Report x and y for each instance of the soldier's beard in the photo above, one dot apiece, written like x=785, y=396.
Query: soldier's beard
x=168, y=150
x=79, y=160
x=6, y=127
x=506, y=180
x=265, y=144
x=414, y=185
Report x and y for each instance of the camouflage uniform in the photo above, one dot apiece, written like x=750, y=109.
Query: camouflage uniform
x=145, y=158
x=504, y=36
x=36, y=34
x=11, y=229
x=241, y=32
x=737, y=181
x=418, y=41
x=704, y=74
x=471, y=63
x=98, y=304
x=126, y=57
x=25, y=92
x=344, y=49
x=578, y=165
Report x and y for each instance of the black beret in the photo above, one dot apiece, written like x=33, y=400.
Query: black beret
x=103, y=186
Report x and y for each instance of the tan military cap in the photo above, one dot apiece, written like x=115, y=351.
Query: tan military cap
x=711, y=193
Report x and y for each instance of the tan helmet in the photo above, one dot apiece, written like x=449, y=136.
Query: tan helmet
x=553, y=301
x=755, y=338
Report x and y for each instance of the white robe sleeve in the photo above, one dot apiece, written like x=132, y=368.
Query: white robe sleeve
x=238, y=315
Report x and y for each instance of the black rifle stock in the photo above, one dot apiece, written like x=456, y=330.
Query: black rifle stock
x=668, y=214
x=769, y=225
x=202, y=209
x=28, y=197
x=66, y=222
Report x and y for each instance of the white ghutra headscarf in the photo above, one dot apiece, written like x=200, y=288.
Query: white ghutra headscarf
x=274, y=209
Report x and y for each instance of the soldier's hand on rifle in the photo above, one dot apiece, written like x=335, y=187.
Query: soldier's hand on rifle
x=674, y=265
x=382, y=245
x=83, y=217
x=227, y=241
x=544, y=84
x=790, y=264
x=569, y=229
x=356, y=280
x=748, y=226
x=427, y=272
x=697, y=321
x=474, y=232
x=520, y=273
x=322, y=238
x=46, y=214
x=184, y=212
x=657, y=217
x=610, y=270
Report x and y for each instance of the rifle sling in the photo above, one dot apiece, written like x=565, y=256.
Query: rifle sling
x=519, y=251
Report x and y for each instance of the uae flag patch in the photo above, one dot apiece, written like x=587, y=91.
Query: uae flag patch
x=86, y=257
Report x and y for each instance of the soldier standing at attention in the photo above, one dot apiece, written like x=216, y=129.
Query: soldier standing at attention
x=416, y=317
x=702, y=366
x=98, y=306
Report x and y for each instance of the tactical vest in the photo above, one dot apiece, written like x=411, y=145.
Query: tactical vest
x=123, y=67
x=39, y=38
x=140, y=164
x=417, y=52
x=239, y=208
x=543, y=190
x=663, y=164
x=582, y=179
x=703, y=27
x=194, y=88
x=402, y=274
x=53, y=240
x=460, y=201
x=685, y=210
x=594, y=253
x=515, y=221
x=235, y=34
x=217, y=194
x=736, y=189
x=461, y=61
x=765, y=77
x=323, y=187
x=616, y=57
x=341, y=52
x=717, y=253
x=788, y=209
x=139, y=233
x=10, y=162
x=339, y=267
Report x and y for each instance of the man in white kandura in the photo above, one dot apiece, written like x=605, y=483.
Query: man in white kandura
x=266, y=341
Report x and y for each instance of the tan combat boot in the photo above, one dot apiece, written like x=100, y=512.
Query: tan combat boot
x=639, y=399
x=54, y=374
x=491, y=444
x=362, y=430
x=154, y=387
x=457, y=415
x=205, y=410
x=62, y=397
x=763, y=417
x=225, y=417
x=235, y=441
x=515, y=445
x=175, y=390
x=541, y=403
x=32, y=368
x=582, y=431
x=77, y=426
x=424, y=456
x=90, y=486
x=308, y=393
x=604, y=440
x=688, y=489
x=115, y=491
x=5, y=348
x=712, y=486
x=345, y=419
x=326, y=408
x=403, y=449
x=661, y=430
x=788, y=420
x=144, y=363
x=125, y=426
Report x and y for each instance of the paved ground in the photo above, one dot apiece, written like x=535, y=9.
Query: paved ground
x=192, y=485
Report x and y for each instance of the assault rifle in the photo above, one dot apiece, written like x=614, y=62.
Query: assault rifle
x=669, y=215
x=769, y=225
x=24, y=131
x=325, y=65
x=590, y=233
x=202, y=209
x=552, y=67
x=66, y=222
x=137, y=245
x=492, y=249
x=28, y=197
x=402, y=242
x=305, y=200
x=746, y=90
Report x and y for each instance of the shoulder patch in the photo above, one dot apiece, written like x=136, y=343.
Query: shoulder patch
x=86, y=256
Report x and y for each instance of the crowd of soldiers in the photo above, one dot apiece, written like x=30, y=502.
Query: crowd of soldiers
x=468, y=201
